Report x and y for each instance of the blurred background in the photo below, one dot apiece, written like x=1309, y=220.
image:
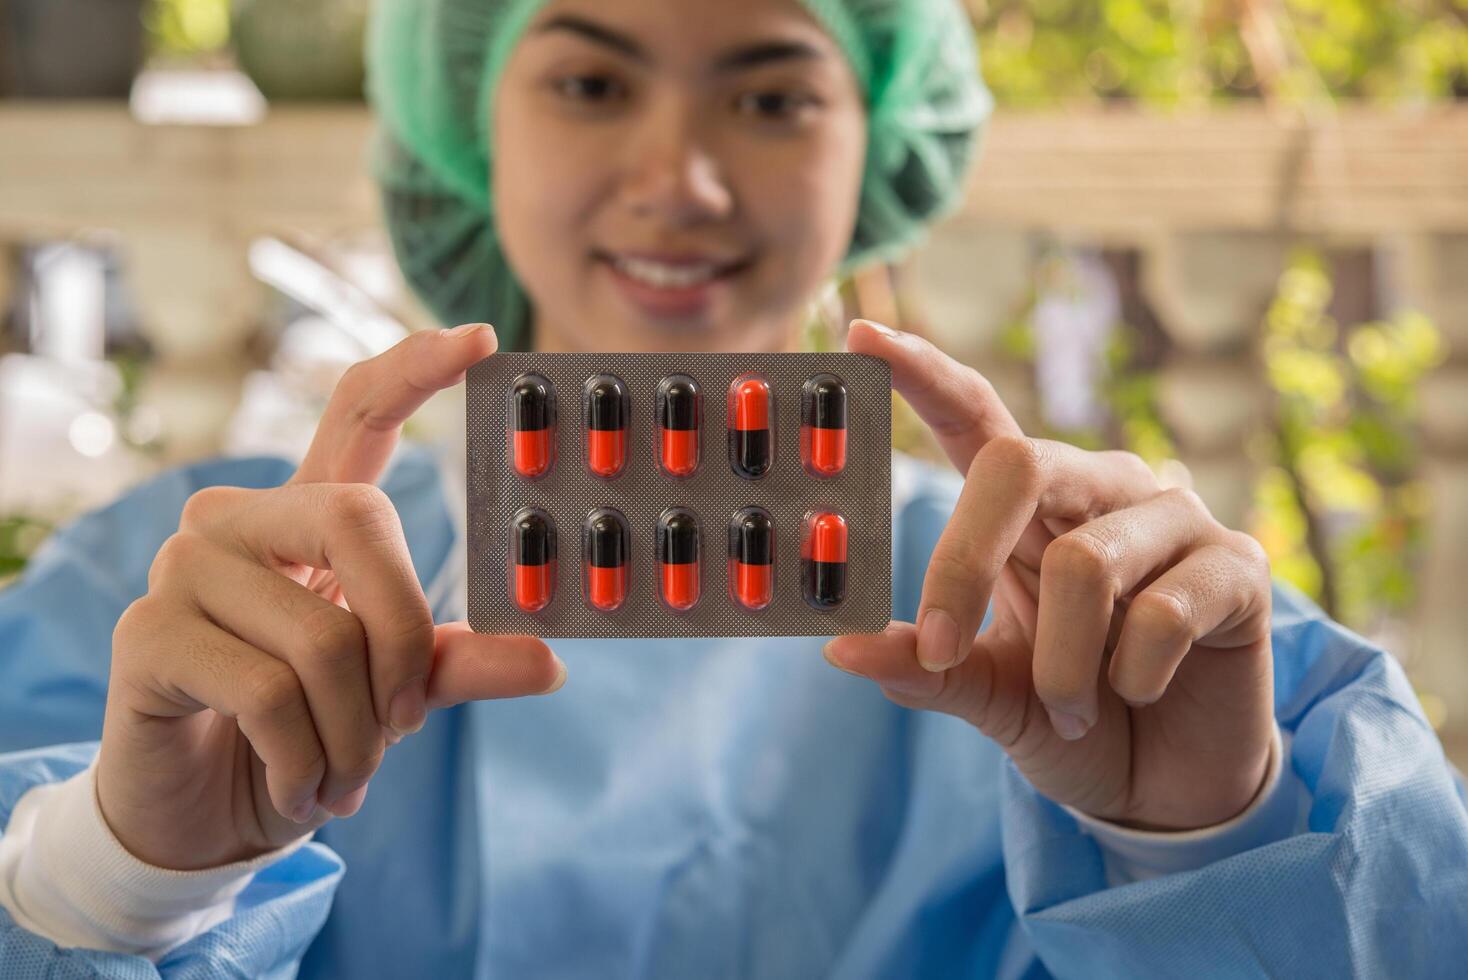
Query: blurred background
x=1228, y=232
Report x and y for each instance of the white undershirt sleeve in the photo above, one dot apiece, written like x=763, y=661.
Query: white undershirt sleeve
x=1137, y=855
x=65, y=876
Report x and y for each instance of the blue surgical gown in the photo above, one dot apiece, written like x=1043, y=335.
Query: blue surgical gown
x=737, y=808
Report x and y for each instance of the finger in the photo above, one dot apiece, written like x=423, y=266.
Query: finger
x=955, y=401
x=1082, y=576
x=886, y=658
x=323, y=643
x=352, y=529
x=360, y=427
x=473, y=666
x=990, y=690
x=1205, y=594
x=188, y=664
x=1010, y=483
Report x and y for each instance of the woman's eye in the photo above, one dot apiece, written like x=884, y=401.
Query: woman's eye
x=589, y=88
x=774, y=105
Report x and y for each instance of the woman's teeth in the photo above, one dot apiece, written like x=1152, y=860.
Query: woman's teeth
x=664, y=276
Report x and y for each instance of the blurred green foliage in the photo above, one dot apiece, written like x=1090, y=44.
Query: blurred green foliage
x=1188, y=52
x=1338, y=504
x=20, y=536
x=1340, y=509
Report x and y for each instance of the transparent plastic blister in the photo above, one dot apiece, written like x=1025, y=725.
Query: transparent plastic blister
x=681, y=494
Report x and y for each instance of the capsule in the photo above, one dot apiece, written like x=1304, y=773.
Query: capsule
x=678, y=559
x=751, y=441
x=532, y=415
x=608, y=408
x=823, y=555
x=680, y=414
x=823, y=425
x=532, y=560
x=604, y=543
x=752, y=558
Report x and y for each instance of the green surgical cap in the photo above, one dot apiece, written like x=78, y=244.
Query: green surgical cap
x=433, y=66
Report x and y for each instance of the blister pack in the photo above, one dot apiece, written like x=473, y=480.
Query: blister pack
x=679, y=494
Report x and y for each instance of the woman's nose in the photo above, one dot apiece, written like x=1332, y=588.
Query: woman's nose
x=673, y=173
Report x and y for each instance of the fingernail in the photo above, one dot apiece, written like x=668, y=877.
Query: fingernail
x=835, y=661
x=937, y=640
x=881, y=328
x=468, y=330
x=1067, y=726
x=304, y=809
x=408, y=707
x=560, y=677
x=349, y=804
x=925, y=687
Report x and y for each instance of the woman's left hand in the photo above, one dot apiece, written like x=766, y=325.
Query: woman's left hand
x=1127, y=670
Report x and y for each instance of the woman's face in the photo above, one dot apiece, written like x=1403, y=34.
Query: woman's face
x=675, y=174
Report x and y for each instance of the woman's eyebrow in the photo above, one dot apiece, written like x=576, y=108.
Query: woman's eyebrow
x=765, y=52
x=595, y=33
x=747, y=56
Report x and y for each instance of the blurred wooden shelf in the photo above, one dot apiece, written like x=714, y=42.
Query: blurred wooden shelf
x=1358, y=172
x=71, y=166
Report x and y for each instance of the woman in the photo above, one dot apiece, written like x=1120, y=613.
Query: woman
x=684, y=174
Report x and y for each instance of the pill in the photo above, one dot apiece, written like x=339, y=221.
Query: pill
x=678, y=560
x=823, y=553
x=752, y=557
x=823, y=425
x=604, y=542
x=679, y=412
x=608, y=408
x=533, y=425
x=750, y=442
x=533, y=555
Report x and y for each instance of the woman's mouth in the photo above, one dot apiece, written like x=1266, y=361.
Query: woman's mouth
x=670, y=286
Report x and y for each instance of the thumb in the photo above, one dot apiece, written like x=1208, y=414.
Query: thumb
x=470, y=666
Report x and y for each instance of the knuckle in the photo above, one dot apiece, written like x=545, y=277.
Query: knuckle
x=1079, y=557
x=413, y=628
x=334, y=636
x=953, y=564
x=1250, y=550
x=1022, y=457
x=359, y=507
x=274, y=692
x=138, y=620
x=1161, y=614
x=1136, y=469
x=1068, y=691
x=1187, y=500
x=176, y=559
x=205, y=506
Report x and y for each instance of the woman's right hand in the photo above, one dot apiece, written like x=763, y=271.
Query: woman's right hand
x=284, y=641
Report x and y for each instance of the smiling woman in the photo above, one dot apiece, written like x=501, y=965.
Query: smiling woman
x=1088, y=680
x=692, y=168
x=693, y=178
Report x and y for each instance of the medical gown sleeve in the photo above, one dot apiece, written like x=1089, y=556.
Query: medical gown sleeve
x=1372, y=880
x=56, y=625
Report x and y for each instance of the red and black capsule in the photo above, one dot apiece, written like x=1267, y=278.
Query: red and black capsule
x=823, y=555
x=680, y=414
x=532, y=414
x=823, y=425
x=532, y=560
x=752, y=558
x=608, y=409
x=751, y=435
x=678, y=558
x=604, y=543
